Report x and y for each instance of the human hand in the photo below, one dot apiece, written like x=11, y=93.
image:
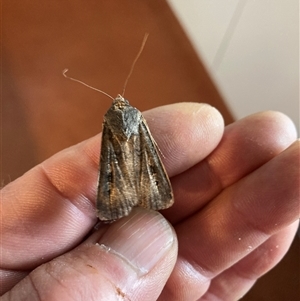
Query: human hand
x=235, y=214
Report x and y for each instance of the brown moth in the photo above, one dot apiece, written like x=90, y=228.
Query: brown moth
x=131, y=171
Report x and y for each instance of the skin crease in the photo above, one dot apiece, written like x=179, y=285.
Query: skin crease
x=235, y=215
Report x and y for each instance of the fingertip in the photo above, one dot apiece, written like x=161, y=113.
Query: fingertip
x=286, y=124
x=142, y=239
x=278, y=129
x=185, y=132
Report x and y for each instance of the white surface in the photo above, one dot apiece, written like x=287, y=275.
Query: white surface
x=251, y=49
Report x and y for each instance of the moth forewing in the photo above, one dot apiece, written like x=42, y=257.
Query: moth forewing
x=155, y=187
x=131, y=171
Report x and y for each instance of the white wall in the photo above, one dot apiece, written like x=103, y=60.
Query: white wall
x=251, y=49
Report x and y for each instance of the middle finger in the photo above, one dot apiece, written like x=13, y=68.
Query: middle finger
x=246, y=145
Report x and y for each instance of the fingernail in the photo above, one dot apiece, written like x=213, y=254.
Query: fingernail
x=142, y=239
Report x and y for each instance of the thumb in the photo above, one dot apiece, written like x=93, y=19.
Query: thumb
x=130, y=259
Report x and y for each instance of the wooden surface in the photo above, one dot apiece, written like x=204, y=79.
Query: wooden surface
x=42, y=112
x=97, y=41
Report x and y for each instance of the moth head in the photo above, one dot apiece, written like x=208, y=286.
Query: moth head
x=120, y=102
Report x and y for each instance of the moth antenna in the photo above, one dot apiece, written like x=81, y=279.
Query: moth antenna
x=83, y=83
x=134, y=62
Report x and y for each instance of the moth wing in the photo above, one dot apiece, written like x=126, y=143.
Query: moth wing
x=117, y=182
x=155, y=190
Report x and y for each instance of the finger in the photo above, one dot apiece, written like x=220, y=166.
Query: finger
x=51, y=208
x=246, y=145
x=9, y=278
x=238, y=220
x=179, y=131
x=131, y=260
x=236, y=281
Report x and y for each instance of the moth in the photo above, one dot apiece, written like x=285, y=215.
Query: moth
x=131, y=171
